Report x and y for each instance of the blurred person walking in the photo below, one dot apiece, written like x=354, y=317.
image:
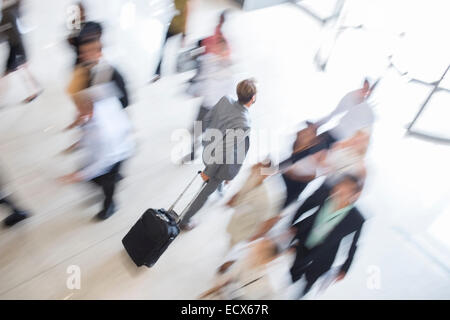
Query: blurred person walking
x=17, y=58
x=258, y=271
x=211, y=43
x=106, y=140
x=177, y=26
x=213, y=80
x=297, y=176
x=357, y=115
x=228, y=121
x=319, y=236
x=344, y=157
x=215, y=45
x=100, y=71
x=252, y=206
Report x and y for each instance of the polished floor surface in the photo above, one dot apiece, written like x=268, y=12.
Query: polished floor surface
x=404, y=252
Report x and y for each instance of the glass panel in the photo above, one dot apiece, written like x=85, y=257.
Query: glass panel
x=445, y=83
x=322, y=8
x=434, y=119
x=439, y=229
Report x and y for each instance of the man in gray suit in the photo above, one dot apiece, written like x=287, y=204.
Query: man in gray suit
x=226, y=143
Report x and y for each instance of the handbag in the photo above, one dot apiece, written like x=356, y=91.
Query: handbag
x=187, y=59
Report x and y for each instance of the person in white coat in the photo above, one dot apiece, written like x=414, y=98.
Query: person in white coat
x=106, y=141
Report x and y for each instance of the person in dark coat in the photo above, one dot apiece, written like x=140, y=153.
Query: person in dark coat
x=319, y=235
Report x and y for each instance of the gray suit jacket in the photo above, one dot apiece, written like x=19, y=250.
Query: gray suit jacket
x=226, y=139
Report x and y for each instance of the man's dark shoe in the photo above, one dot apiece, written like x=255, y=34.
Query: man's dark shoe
x=106, y=213
x=187, y=226
x=15, y=217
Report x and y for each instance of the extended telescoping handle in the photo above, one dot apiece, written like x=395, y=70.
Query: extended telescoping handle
x=179, y=197
x=192, y=200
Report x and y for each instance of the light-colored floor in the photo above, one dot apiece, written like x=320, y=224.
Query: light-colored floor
x=403, y=253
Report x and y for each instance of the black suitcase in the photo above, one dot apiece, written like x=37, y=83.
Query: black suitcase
x=154, y=232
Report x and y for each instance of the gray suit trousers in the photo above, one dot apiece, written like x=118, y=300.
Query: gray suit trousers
x=212, y=185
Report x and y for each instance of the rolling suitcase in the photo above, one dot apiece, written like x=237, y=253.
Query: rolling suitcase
x=154, y=232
